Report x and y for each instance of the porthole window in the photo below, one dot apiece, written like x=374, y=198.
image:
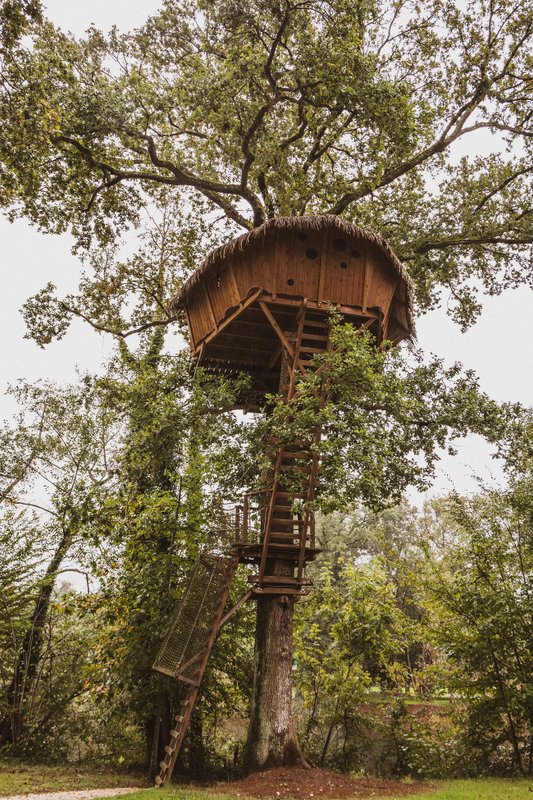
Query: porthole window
x=339, y=244
x=302, y=237
x=290, y=282
x=355, y=253
x=311, y=252
x=344, y=265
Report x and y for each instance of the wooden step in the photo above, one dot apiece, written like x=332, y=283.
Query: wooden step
x=280, y=590
x=285, y=539
x=317, y=323
x=316, y=337
x=280, y=580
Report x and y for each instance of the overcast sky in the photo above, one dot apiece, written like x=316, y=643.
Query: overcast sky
x=498, y=347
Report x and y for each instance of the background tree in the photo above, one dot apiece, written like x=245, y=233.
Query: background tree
x=249, y=111
x=59, y=446
x=481, y=601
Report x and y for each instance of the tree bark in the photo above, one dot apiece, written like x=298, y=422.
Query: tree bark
x=12, y=724
x=271, y=739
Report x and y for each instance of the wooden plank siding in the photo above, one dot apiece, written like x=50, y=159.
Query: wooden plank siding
x=321, y=266
x=344, y=277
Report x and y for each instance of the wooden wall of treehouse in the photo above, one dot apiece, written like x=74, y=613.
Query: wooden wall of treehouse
x=324, y=265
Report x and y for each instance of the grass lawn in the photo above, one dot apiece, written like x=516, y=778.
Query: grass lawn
x=17, y=778
x=479, y=789
x=486, y=789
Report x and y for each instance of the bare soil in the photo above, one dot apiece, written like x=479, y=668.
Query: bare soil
x=307, y=784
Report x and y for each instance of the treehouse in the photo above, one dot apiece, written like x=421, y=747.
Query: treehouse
x=260, y=305
x=247, y=296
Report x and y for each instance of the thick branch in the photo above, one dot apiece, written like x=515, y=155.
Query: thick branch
x=179, y=177
x=121, y=334
x=453, y=130
x=443, y=244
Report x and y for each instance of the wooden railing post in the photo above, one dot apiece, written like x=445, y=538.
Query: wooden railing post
x=245, y=518
x=238, y=523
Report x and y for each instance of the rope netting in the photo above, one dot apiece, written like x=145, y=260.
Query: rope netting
x=189, y=634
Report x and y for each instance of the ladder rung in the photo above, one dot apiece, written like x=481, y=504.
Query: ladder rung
x=174, y=733
x=279, y=590
x=163, y=765
x=158, y=780
x=179, y=718
x=299, y=495
x=286, y=467
x=279, y=545
x=169, y=749
x=316, y=323
x=313, y=350
x=280, y=580
x=316, y=337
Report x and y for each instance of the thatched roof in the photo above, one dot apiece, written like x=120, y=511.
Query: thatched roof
x=314, y=222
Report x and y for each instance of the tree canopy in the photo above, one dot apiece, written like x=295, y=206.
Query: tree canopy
x=258, y=109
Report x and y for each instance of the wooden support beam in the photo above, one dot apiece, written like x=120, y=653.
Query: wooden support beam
x=347, y=311
x=235, y=608
x=285, y=342
x=229, y=319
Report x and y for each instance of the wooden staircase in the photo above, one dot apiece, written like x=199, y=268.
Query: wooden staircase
x=285, y=541
x=288, y=536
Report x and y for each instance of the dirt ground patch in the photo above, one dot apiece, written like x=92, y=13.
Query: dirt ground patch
x=304, y=784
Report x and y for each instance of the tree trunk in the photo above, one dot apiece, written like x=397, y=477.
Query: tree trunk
x=271, y=739
x=12, y=724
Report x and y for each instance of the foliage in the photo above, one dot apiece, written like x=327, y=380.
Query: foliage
x=386, y=418
x=251, y=110
x=20, y=564
x=481, y=592
x=433, y=610
x=349, y=633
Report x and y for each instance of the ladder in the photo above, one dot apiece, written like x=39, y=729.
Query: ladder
x=188, y=644
x=287, y=542
x=288, y=535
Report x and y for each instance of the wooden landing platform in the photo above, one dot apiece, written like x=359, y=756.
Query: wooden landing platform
x=251, y=553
